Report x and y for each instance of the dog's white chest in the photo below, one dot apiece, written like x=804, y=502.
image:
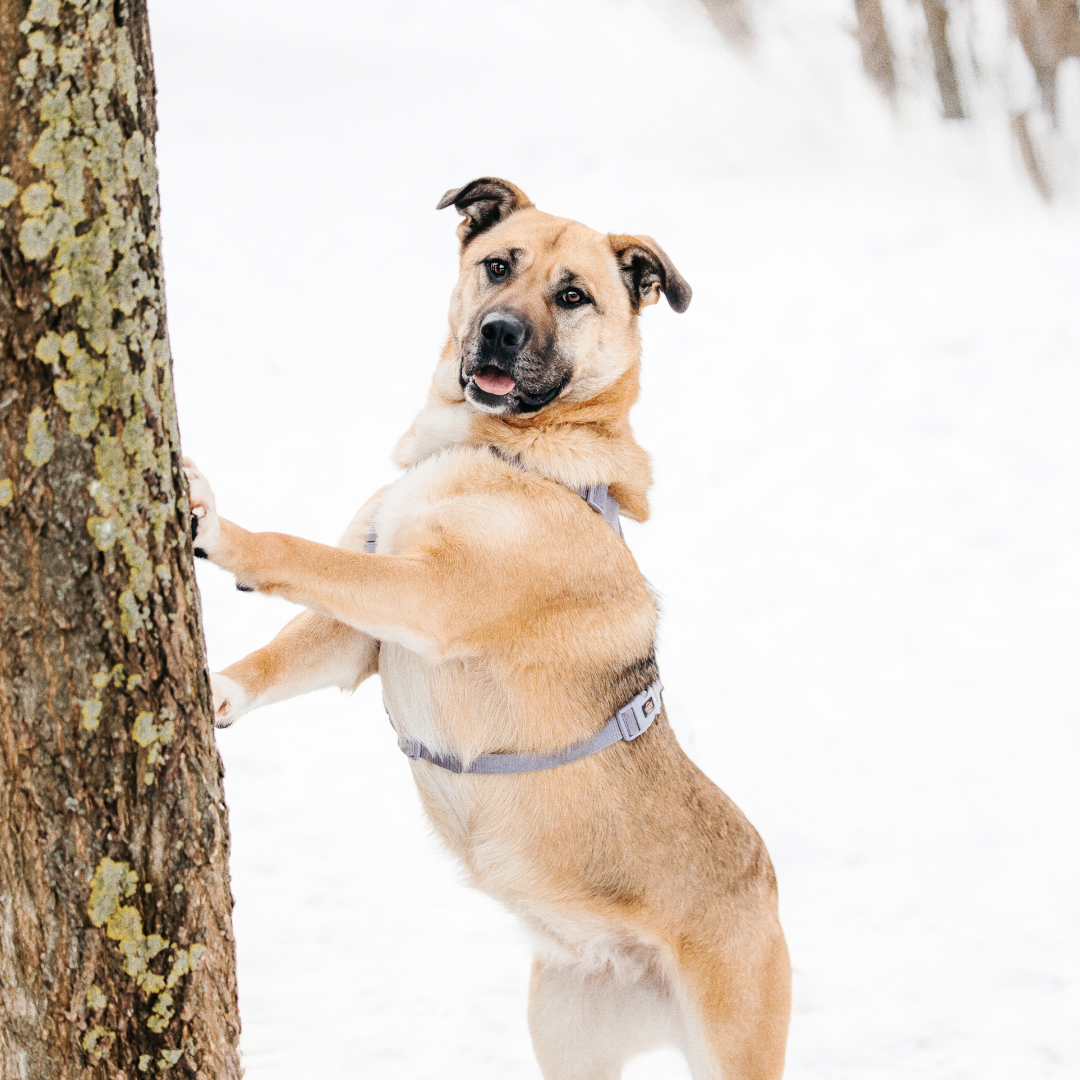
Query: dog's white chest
x=415, y=693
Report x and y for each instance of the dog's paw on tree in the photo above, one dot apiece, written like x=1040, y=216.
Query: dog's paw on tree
x=205, y=523
x=116, y=944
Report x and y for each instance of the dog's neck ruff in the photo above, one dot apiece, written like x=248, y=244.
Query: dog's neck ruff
x=627, y=724
x=597, y=497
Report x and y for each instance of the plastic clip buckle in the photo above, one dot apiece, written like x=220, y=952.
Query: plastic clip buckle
x=634, y=718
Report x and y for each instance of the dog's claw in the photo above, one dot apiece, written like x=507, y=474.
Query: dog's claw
x=230, y=700
x=205, y=524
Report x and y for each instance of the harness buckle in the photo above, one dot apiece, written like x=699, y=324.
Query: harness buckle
x=639, y=713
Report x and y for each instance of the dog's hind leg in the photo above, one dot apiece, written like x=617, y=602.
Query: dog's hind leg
x=587, y=1023
x=737, y=1004
x=311, y=652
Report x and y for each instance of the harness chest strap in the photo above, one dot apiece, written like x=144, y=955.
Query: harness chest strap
x=627, y=724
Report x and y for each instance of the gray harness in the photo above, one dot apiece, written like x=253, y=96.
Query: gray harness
x=626, y=725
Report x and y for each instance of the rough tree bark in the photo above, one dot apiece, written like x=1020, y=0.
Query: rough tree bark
x=116, y=945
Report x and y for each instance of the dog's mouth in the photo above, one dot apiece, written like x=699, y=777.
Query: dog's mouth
x=495, y=390
x=494, y=381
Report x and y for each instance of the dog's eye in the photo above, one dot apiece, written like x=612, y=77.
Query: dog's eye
x=571, y=298
x=497, y=269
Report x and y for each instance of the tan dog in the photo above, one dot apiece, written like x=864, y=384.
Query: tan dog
x=505, y=616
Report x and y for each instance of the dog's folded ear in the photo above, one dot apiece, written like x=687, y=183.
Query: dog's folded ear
x=648, y=272
x=483, y=203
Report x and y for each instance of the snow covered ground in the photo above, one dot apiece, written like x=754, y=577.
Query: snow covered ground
x=866, y=436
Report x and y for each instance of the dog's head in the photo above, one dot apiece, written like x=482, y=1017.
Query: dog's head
x=546, y=308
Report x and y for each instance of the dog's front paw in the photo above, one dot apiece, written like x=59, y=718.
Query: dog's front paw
x=230, y=700
x=205, y=523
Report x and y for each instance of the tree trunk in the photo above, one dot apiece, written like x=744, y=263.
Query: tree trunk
x=937, y=25
x=116, y=946
x=1049, y=31
x=1035, y=170
x=732, y=19
x=873, y=38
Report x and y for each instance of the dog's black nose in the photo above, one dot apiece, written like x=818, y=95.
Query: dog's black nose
x=504, y=334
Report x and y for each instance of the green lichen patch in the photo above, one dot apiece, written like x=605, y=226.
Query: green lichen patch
x=92, y=1041
x=8, y=190
x=131, y=618
x=47, y=349
x=104, y=532
x=112, y=881
x=70, y=58
x=184, y=960
x=91, y=714
x=144, y=1062
x=46, y=11
x=91, y=708
x=101, y=679
x=39, y=443
x=95, y=999
x=153, y=737
x=7, y=492
x=137, y=949
x=146, y=732
x=161, y=1013
x=123, y=924
x=82, y=394
x=36, y=198
x=168, y=1059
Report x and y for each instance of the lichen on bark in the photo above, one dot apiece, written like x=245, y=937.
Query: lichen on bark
x=104, y=263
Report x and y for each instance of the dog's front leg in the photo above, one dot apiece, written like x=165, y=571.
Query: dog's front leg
x=403, y=598
x=400, y=598
x=312, y=652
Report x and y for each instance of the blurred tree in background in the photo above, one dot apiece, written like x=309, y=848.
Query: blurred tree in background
x=1003, y=56
x=116, y=945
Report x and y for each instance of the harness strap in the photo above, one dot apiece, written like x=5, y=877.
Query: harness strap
x=627, y=724
x=604, y=503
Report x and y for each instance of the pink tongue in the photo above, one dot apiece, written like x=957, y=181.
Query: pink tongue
x=494, y=384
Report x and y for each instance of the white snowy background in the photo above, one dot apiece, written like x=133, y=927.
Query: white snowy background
x=866, y=438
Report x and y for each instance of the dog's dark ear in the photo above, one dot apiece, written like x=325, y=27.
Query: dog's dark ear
x=483, y=203
x=648, y=272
